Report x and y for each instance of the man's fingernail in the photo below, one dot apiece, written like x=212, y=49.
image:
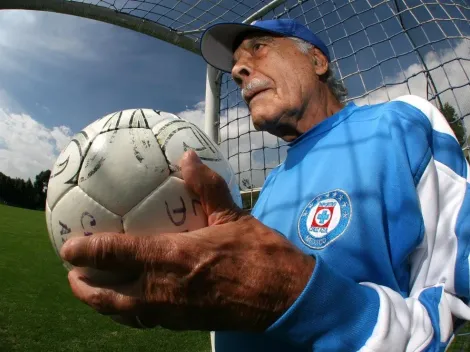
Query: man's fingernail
x=67, y=246
x=194, y=157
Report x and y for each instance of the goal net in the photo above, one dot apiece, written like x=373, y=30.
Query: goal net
x=380, y=50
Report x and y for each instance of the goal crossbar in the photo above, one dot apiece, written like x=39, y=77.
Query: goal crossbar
x=107, y=15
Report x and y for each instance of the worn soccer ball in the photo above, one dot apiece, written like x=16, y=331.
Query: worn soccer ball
x=121, y=174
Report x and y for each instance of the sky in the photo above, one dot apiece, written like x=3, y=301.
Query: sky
x=59, y=73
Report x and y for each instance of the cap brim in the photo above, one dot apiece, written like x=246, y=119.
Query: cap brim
x=217, y=43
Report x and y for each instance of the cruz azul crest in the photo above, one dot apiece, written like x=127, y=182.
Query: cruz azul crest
x=324, y=219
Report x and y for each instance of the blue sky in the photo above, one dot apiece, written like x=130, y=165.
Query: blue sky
x=69, y=70
x=58, y=73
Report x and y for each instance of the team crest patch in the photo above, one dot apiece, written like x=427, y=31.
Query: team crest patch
x=324, y=219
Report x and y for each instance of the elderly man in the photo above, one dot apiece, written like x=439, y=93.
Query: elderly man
x=360, y=239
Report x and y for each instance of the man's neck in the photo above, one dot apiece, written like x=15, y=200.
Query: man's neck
x=320, y=109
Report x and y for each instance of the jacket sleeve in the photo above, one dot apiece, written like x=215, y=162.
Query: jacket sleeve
x=334, y=313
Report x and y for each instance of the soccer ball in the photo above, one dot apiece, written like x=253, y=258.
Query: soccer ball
x=120, y=174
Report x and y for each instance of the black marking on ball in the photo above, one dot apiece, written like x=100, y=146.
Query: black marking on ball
x=119, y=119
x=92, y=222
x=137, y=154
x=207, y=151
x=141, y=121
x=91, y=159
x=77, y=142
x=74, y=179
x=64, y=164
x=113, y=136
x=181, y=210
x=81, y=150
x=170, y=165
x=164, y=127
x=132, y=119
x=145, y=119
x=146, y=143
x=104, y=128
x=83, y=144
x=64, y=230
x=94, y=170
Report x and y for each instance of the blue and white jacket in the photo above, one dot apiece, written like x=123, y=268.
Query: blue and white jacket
x=379, y=195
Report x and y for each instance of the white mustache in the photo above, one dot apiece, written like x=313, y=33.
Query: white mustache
x=254, y=84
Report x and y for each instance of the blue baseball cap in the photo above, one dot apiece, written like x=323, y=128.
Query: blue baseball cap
x=217, y=41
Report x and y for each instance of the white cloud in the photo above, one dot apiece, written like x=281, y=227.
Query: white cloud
x=18, y=18
x=34, y=31
x=194, y=115
x=451, y=74
x=26, y=146
x=7, y=101
x=61, y=136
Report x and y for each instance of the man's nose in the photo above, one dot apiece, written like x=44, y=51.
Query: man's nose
x=241, y=70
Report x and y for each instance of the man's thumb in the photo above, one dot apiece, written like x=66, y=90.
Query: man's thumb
x=211, y=188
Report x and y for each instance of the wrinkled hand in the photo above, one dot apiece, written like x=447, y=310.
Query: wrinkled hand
x=235, y=274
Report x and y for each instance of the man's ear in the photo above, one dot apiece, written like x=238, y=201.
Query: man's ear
x=320, y=62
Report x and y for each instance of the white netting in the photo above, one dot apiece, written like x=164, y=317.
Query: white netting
x=381, y=50
x=180, y=22
x=187, y=17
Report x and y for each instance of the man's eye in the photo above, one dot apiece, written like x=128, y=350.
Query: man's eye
x=257, y=46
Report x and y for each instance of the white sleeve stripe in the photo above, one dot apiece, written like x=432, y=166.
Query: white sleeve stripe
x=429, y=201
x=406, y=324
x=452, y=190
x=445, y=319
x=438, y=122
x=439, y=125
x=402, y=325
x=458, y=308
x=468, y=172
x=441, y=194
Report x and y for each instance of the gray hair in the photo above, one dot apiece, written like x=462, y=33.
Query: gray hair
x=336, y=86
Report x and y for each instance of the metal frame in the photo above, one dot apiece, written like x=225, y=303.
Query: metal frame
x=105, y=15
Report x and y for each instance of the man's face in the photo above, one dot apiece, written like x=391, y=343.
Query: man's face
x=277, y=81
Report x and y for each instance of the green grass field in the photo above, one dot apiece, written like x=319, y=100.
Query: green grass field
x=38, y=311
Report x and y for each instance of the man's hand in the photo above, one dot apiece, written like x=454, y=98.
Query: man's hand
x=235, y=274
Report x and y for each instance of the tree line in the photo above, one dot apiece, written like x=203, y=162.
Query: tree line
x=455, y=123
x=25, y=194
